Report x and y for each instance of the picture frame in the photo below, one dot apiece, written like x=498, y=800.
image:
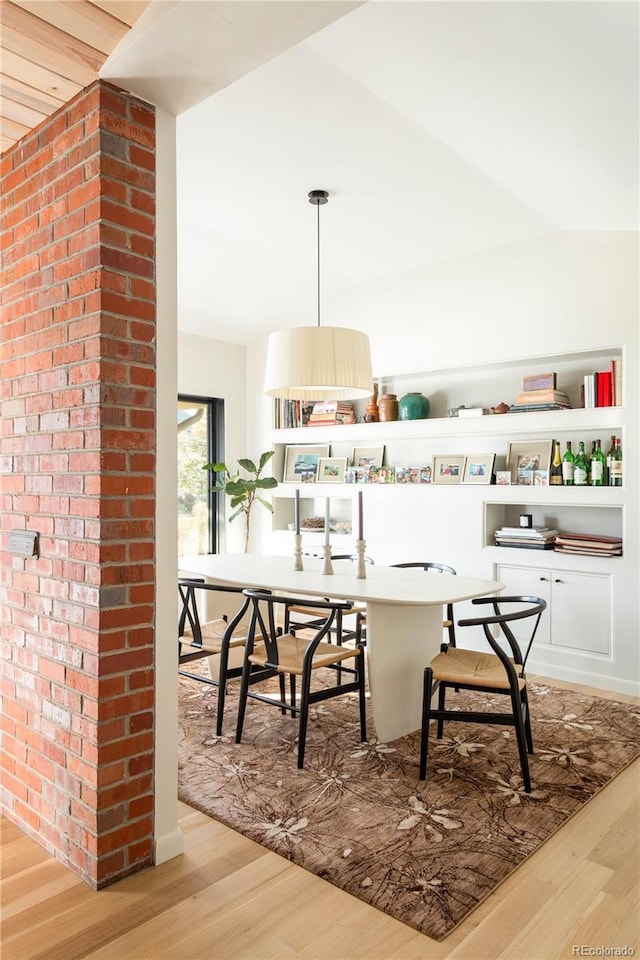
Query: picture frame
x=331, y=469
x=448, y=468
x=367, y=456
x=301, y=461
x=426, y=473
x=525, y=457
x=478, y=468
x=503, y=478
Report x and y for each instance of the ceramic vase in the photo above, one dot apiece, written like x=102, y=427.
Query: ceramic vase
x=388, y=407
x=413, y=406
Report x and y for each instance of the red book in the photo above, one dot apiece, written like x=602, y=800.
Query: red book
x=604, y=389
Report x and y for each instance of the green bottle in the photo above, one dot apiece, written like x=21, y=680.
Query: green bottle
x=568, y=462
x=598, y=466
x=555, y=474
x=610, y=453
x=580, y=467
x=615, y=472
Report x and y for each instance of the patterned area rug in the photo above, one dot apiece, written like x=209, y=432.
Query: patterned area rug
x=358, y=815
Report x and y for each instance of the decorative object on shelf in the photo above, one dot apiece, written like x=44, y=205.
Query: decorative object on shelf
x=501, y=408
x=367, y=456
x=503, y=478
x=472, y=412
x=388, y=407
x=455, y=411
x=242, y=491
x=526, y=458
x=478, y=468
x=371, y=414
x=331, y=469
x=539, y=381
x=413, y=406
x=425, y=473
x=318, y=363
x=301, y=462
x=448, y=468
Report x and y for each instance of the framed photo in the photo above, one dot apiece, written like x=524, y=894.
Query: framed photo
x=526, y=457
x=367, y=456
x=301, y=463
x=331, y=469
x=425, y=473
x=503, y=478
x=448, y=468
x=478, y=468
x=384, y=475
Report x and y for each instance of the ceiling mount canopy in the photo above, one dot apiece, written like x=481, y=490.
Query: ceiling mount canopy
x=318, y=363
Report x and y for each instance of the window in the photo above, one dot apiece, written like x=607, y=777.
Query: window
x=199, y=430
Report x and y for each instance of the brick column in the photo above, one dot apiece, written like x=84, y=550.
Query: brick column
x=78, y=460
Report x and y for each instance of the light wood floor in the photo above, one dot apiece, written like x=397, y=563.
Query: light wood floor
x=228, y=897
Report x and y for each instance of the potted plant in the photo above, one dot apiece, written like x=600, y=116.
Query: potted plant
x=243, y=491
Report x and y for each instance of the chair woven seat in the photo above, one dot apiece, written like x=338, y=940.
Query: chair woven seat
x=472, y=668
x=212, y=633
x=291, y=651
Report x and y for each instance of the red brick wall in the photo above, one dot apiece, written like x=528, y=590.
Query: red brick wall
x=78, y=464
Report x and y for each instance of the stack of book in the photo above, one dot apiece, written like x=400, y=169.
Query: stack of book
x=533, y=538
x=328, y=412
x=547, y=398
x=604, y=387
x=291, y=413
x=590, y=545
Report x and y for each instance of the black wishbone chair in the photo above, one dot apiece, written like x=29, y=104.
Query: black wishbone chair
x=271, y=653
x=495, y=673
x=213, y=637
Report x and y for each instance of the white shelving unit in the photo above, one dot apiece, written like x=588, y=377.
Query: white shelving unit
x=456, y=523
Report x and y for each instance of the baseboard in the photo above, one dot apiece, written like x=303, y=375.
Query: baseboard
x=168, y=846
x=585, y=677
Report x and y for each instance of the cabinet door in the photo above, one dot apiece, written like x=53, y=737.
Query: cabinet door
x=529, y=582
x=581, y=611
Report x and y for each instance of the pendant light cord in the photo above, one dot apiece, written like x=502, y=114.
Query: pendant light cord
x=318, y=208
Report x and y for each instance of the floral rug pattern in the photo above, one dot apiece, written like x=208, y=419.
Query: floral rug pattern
x=358, y=816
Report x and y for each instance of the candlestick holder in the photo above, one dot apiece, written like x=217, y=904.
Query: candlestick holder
x=361, y=569
x=327, y=566
x=297, y=551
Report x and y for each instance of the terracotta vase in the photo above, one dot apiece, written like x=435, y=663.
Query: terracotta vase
x=388, y=406
x=371, y=414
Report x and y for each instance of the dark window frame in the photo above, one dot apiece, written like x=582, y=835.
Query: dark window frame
x=215, y=443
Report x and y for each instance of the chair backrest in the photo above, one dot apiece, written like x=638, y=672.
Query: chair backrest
x=264, y=626
x=188, y=587
x=349, y=556
x=502, y=616
x=428, y=566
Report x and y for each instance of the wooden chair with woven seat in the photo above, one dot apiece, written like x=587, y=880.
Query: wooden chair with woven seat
x=312, y=617
x=197, y=639
x=448, y=623
x=498, y=672
x=271, y=653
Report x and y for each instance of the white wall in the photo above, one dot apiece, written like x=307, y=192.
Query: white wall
x=212, y=368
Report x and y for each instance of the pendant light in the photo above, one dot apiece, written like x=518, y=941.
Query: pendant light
x=318, y=363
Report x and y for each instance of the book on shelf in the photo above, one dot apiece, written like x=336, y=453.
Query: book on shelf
x=539, y=381
x=542, y=396
x=332, y=406
x=532, y=407
x=527, y=544
x=604, y=387
x=585, y=551
x=593, y=541
x=532, y=532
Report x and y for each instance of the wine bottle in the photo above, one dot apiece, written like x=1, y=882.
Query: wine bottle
x=555, y=474
x=598, y=466
x=568, y=462
x=610, y=453
x=615, y=471
x=580, y=467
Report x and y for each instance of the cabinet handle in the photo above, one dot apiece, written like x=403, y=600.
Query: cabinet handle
x=544, y=578
x=558, y=580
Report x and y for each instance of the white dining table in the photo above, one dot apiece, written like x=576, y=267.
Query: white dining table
x=404, y=617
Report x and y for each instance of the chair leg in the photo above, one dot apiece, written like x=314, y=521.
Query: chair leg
x=242, y=705
x=222, y=688
x=522, y=738
x=292, y=689
x=304, y=716
x=426, y=713
x=361, y=665
x=527, y=721
x=283, y=694
x=441, y=695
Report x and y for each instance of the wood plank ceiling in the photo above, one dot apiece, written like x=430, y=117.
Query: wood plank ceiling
x=49, y=51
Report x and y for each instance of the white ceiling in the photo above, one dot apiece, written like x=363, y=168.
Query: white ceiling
x=440, y=129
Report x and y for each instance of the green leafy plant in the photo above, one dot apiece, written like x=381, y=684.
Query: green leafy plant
x=243, y=491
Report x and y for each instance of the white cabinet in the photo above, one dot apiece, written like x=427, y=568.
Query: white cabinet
x=579, y=605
